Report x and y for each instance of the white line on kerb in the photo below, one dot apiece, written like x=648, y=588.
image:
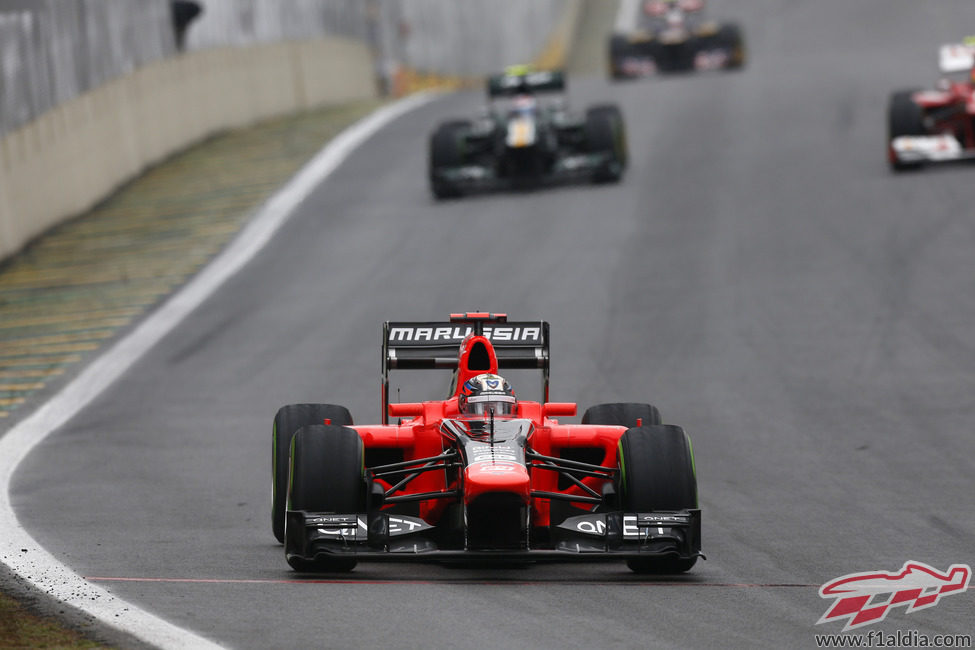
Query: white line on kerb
x=18, y=550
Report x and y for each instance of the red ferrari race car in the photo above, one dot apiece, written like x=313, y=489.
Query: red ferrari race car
x=936, y=125
x=482, y=476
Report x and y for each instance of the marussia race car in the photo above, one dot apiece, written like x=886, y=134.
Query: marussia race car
x=480, y=476
x=673, y=36
x=936, y=125
x=526, y=137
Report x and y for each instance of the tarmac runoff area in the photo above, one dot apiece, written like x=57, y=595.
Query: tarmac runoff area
x=73, y=290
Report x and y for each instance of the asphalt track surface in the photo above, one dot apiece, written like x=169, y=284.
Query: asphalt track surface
x=759, y=275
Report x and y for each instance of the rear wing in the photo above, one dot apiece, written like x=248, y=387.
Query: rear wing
x=957, y=57
x=428, y=345
x=543, y=81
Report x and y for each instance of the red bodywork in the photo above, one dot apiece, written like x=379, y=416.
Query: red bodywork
x=950, y=110
x=440, y=485
x=420, y=436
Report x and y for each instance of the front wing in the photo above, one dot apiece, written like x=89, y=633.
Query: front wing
x=915, y=149
x=588, y=538
x=568, y=168
x=644, y=58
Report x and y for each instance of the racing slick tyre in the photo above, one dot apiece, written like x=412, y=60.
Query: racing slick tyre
x=657, y=473
x=619, y=46
x=446, y=151
x=605, y=132
x=287, y=421
x=622, y=414
x=730, y=39
x=904, y=117
x=326, y=475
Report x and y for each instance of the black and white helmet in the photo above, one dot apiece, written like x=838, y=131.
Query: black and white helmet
x=485, y=394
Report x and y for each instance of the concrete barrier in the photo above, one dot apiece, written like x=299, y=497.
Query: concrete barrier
x=72, y=156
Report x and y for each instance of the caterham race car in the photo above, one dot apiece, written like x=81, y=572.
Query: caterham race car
x=674, y=36
x=926, y=126
x=526, y=137
x=482, y=476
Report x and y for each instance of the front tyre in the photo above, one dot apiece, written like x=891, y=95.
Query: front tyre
x=731, y=39
x=327, y=475
x=605, y=133
x=618, y=50
x=446, y=153
x=657, y=474
x=904, y=117
x=287, y=421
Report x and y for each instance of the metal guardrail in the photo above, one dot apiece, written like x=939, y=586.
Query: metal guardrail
x=54, y=50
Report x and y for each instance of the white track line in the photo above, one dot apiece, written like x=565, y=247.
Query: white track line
x=18, y=550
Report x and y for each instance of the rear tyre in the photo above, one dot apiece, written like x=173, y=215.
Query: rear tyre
x=605, y=132
x=622, y=414
x=326, y=476
x=904, y=117
x=287, y=421
x=446, y=152
x=657, y=474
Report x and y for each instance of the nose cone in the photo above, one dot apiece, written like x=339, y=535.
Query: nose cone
x=493, y=476
x=521, y=133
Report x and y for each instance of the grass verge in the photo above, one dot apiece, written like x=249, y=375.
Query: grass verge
x=180, y=213
x=22, y=628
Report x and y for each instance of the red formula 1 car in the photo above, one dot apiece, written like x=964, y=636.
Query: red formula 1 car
x=482, y=476
x=936, y=125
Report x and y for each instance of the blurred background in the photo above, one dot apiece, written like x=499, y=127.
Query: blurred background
x=120, y=84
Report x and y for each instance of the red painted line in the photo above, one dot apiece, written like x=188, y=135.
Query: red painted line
x=297, y=581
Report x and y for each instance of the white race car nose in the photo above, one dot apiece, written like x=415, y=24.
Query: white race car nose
x=521, y=133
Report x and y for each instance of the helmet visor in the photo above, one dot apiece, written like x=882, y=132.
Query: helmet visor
x=484, y=404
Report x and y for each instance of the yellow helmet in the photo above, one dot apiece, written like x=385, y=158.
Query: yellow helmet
x=518, y=69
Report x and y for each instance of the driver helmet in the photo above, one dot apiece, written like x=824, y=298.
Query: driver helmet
x=524, y=105
x=485, y=394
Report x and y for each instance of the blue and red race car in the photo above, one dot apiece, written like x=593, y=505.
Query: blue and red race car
x=481, y=475
x=672, y=36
